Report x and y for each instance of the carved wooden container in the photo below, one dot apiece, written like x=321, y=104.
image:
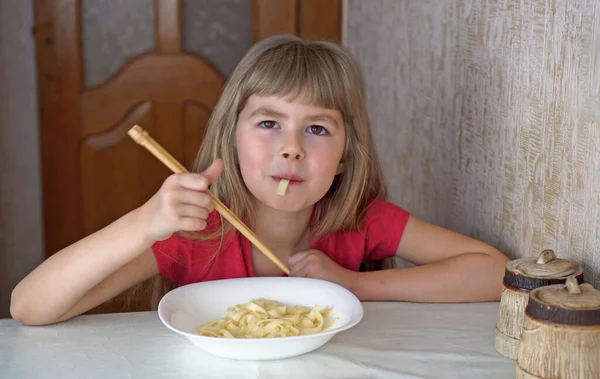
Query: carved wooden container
x=561, y=333
x=522, y=276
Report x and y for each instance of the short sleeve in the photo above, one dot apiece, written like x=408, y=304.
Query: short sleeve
x=176, y=254
x=172, y=255
x=384, y=227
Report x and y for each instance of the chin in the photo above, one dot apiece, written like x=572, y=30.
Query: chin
x=287, y=203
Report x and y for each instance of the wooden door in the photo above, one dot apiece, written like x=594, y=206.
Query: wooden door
x=92, y=172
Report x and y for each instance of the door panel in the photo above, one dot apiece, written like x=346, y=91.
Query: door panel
x=107, y=191
x=218, y=31
x=194, y=114
x=112, y=32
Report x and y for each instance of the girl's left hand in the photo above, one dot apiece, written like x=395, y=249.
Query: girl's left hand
x=314, y=264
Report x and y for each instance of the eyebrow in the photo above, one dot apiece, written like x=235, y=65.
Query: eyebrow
x=265, y=111
x=323, y=117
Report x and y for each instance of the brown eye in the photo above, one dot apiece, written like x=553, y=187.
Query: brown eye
x=268, y=124
x=317, y=129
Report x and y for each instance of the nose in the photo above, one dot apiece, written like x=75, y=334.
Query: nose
x=292, y=149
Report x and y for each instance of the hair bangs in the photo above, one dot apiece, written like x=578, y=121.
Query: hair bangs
x=308, y=74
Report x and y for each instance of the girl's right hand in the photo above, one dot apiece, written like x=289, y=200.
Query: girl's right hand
x=182, y=203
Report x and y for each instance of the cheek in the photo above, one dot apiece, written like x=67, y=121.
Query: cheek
x=251, y=153
x=326, y=161
x=242, y=152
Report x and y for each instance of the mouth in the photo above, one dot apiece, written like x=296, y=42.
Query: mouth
x=292, y=178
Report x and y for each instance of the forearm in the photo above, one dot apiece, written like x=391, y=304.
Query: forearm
x=465, y=278
x=55, y=286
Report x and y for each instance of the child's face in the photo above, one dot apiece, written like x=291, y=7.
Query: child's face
x=277, y=138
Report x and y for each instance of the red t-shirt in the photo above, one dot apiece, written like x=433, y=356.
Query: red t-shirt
x=186, y=261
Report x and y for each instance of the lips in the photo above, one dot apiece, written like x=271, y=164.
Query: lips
x=294, y=179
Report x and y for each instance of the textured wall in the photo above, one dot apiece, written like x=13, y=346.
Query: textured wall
x=487, y=116
x=21, y=244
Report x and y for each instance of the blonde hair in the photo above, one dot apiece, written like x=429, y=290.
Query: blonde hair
x=324, y=74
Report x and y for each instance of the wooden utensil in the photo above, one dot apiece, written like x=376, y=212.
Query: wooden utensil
x=140, y=136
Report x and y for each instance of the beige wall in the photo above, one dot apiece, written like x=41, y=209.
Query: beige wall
x=487, y=116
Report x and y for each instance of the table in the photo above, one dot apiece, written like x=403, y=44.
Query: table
x=394, y=340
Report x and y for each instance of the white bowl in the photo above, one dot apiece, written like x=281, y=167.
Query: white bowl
x=185, y=308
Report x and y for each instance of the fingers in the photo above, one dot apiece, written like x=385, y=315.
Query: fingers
x=188, y=217
x=196, y=198
x=295, y=258
x=214, y=170
x=183, y=202
x=188, y=210
x=190, y=224
x=199, y=181
x=191, y=181
x=192, y=188
x=301, y=269
x=300, y=263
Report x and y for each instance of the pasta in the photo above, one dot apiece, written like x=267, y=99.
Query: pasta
x=282, y=187
x=261, y=318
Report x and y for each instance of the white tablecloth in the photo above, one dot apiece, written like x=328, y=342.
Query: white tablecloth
x=394, y=340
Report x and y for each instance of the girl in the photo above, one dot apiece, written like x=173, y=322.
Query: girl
x=295, y=111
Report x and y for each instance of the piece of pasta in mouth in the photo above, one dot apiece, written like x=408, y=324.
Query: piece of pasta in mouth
x=264, y=318
x=282, y=187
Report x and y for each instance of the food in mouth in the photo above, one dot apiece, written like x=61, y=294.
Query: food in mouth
x=282, y=187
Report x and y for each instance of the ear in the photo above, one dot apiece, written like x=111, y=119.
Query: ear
x=340, y=168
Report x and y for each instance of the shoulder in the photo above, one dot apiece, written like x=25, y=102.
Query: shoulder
x=378, y=237
x=382, y=212
x=383, y=229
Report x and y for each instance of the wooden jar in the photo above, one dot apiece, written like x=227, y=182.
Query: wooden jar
x=522, y=276
x=561, y=333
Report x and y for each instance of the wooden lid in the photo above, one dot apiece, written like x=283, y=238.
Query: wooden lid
x=530, y=273
x=569, y=303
